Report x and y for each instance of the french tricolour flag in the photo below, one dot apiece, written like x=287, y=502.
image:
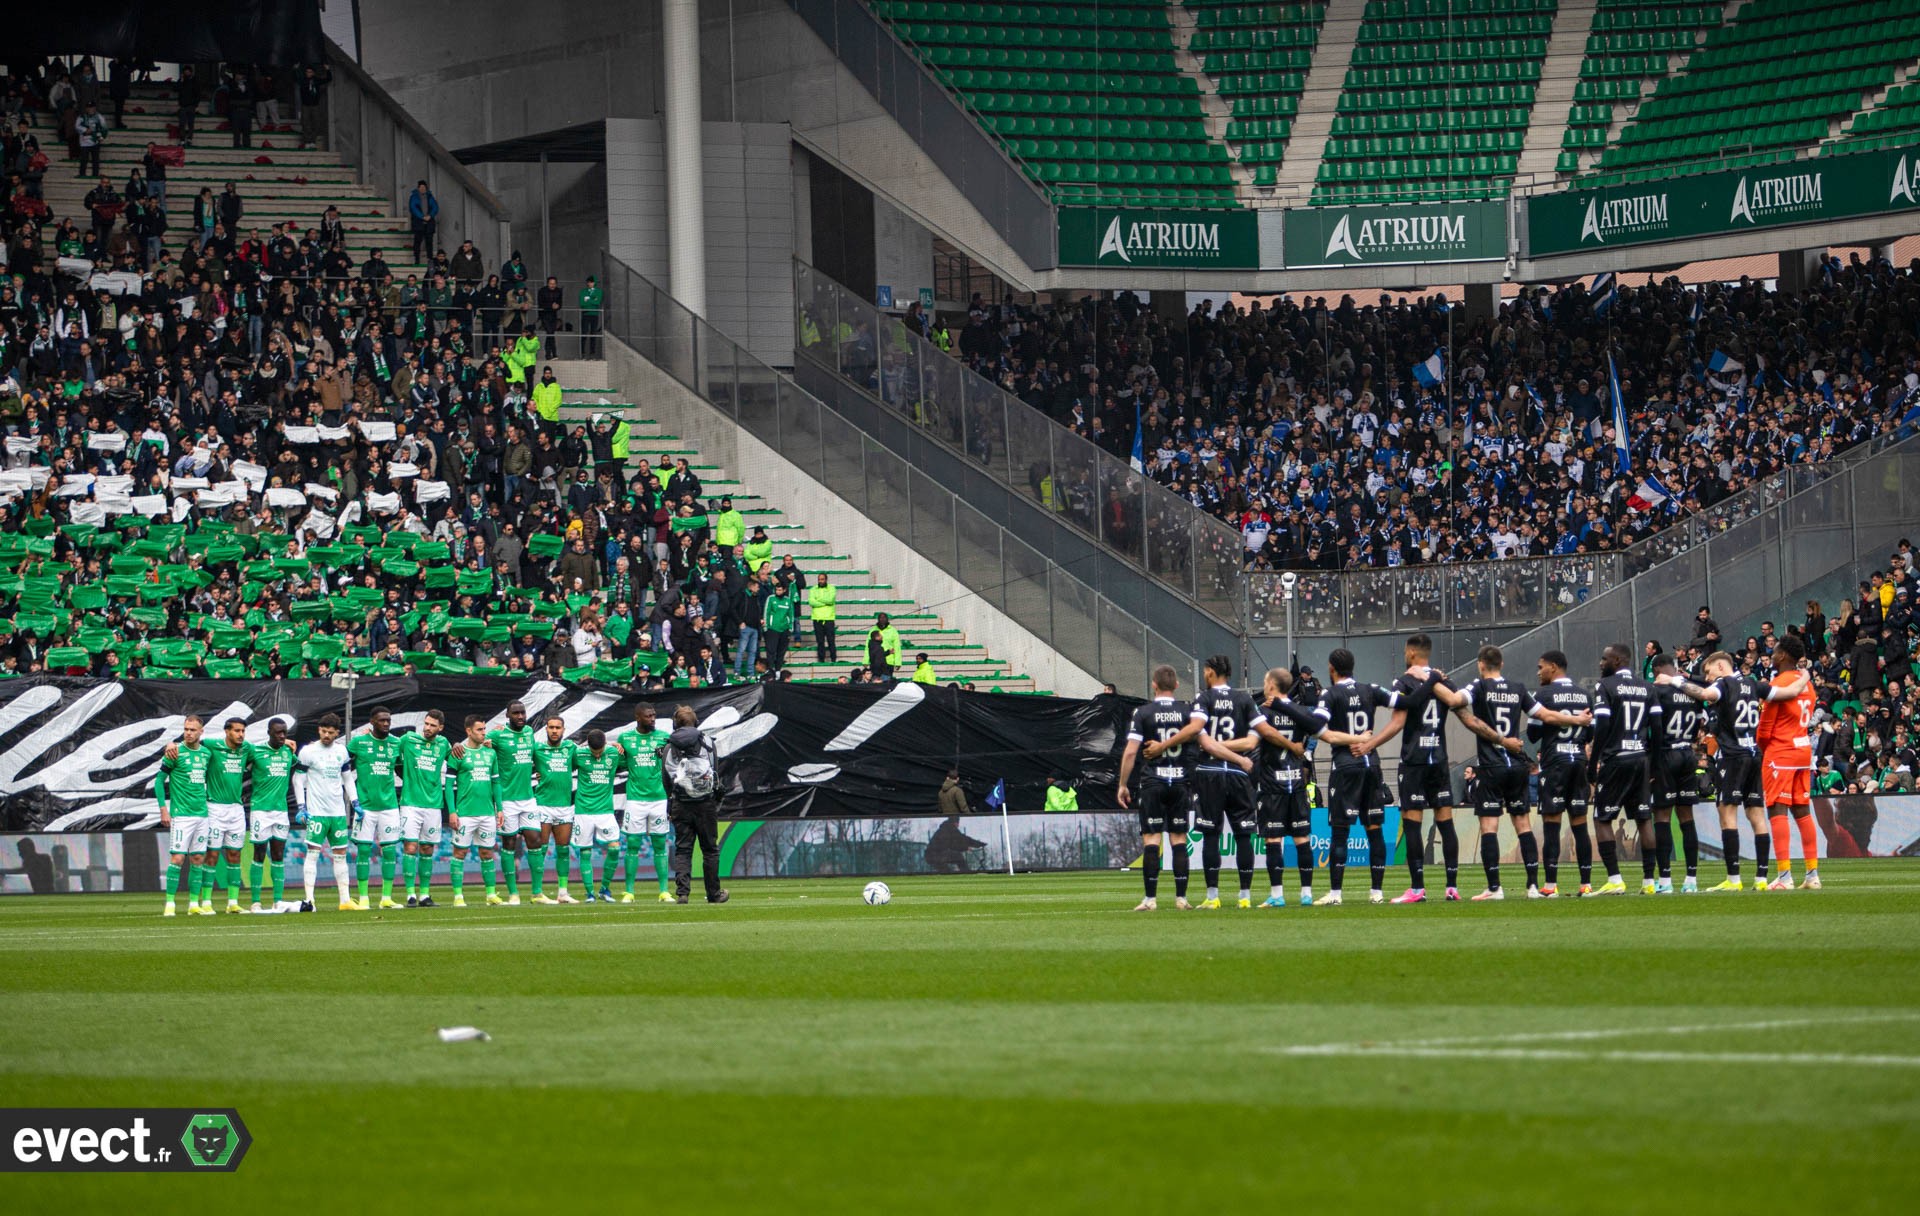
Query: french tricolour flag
x=1649, y=495
x=1430, y=372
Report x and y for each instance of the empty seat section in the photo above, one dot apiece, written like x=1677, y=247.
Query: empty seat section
x=1258, y=56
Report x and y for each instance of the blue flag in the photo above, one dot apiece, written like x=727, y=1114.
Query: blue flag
x=1622, y=448
x=1604, y=292
x=1139, y=441
x=998, y=798
x=1912, y=415
x=1721, y=361
x=1430, y=371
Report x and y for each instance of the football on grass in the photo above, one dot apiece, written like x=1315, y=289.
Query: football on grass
x=877, y=893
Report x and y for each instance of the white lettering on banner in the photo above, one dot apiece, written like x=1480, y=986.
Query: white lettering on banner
x=1902, y=181
x=1196, y=241
x=1768, y=196
x=1432, y=233
x=1640, y=213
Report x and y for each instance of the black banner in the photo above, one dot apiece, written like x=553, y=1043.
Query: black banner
x=279, y=32
x=79, y=755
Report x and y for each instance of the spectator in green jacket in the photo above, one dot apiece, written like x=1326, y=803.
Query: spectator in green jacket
x=821, y=601
x=923, y=670
x=1061, y=796
x=759, y=550
x=521, y=358
x=622, y=439
x=779, y=625
x=546, y=398
x=590, y=297
x=889, y=640
x=729, y=526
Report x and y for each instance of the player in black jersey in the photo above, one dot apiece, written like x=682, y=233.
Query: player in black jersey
x=1734, y=719
x=1164, y=789
x=1494, y=709
x=1355, y=785
x=1563, y=771
x=1675, y=769
x=1426, y=782
x=1283, y=778
x=1222, y=779
x=1624, y=713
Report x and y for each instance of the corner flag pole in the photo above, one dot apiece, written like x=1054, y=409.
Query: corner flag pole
x=1006, y=838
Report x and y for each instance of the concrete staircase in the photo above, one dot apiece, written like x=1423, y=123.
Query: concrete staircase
x=1307, y=143
x=277, y=181
x=863, y=593
x=1218, y=110
x=1547, y=125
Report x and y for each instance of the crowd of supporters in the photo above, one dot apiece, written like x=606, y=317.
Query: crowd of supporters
x=239, y=443
x=1303, y=424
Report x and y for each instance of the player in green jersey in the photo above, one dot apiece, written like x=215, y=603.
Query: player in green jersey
x=423, y=798
x=181, y=790
x=473, y=809
x=553, y=798
x=644, y=817
x=376, y=823
x=519, y=814
x=226, y=811
x=270, y=769
x=594, y=824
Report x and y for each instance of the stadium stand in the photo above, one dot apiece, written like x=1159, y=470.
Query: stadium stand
x=1087, y=97
x=1632, y=41
x=1437, y=100
x=1257, y=56
x=196, y=482
x=1771, y=85
x=1298, y=423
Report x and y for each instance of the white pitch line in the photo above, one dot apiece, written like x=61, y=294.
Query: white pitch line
x=1621, y=1032
x=1538, y=1054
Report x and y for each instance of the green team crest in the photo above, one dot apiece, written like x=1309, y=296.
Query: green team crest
x=210, y=1140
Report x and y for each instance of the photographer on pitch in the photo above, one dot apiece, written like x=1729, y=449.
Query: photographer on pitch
x=693, y=804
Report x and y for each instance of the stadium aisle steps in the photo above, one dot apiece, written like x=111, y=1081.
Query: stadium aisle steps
x=1891, y=115
x=1318, y=94
x=1559, y=77
x=277, y=181
x=863, y=594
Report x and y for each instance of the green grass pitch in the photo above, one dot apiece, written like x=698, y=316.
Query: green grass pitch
x=988, y=1044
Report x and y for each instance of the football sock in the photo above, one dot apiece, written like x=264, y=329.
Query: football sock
x=221, y=877
x=663, y=859
x=1730, y=849
x=277, y=872
x=1337, y=857
x=1376, y=856
x=632, y=851
x=1276, y=866
x=363, y=871
x=342, y=884
x=1551, y=830
x=1809, y=843
x=1416, y=854
x=1663, y=844
x=173, y=881
x=510, y=870
x=561, y=853
x=1182, y=866
x=310, y=872
x=253, y=880
x=1450, y=851
x=1583, y=851
x=1490, y=859
x=459, y=867
x=407, y=873
x=1690, y=842
x=1781, y=829
x=1761, y=847
x=1649, y=859
x=609, y=863
x=1243, y=862
x=195, y=875
x=389, y=860
x=487, y=873
x=1210, y=862
x=537, y=869
x=1610, y=858
x=1530, y=857
x=1303, y=861
x=1150, y=869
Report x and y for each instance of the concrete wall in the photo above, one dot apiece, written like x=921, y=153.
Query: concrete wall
x=902, y=253
x=749, y=223
x=826, y=514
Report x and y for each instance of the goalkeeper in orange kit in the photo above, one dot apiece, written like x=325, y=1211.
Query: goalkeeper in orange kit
x=1787, y=767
